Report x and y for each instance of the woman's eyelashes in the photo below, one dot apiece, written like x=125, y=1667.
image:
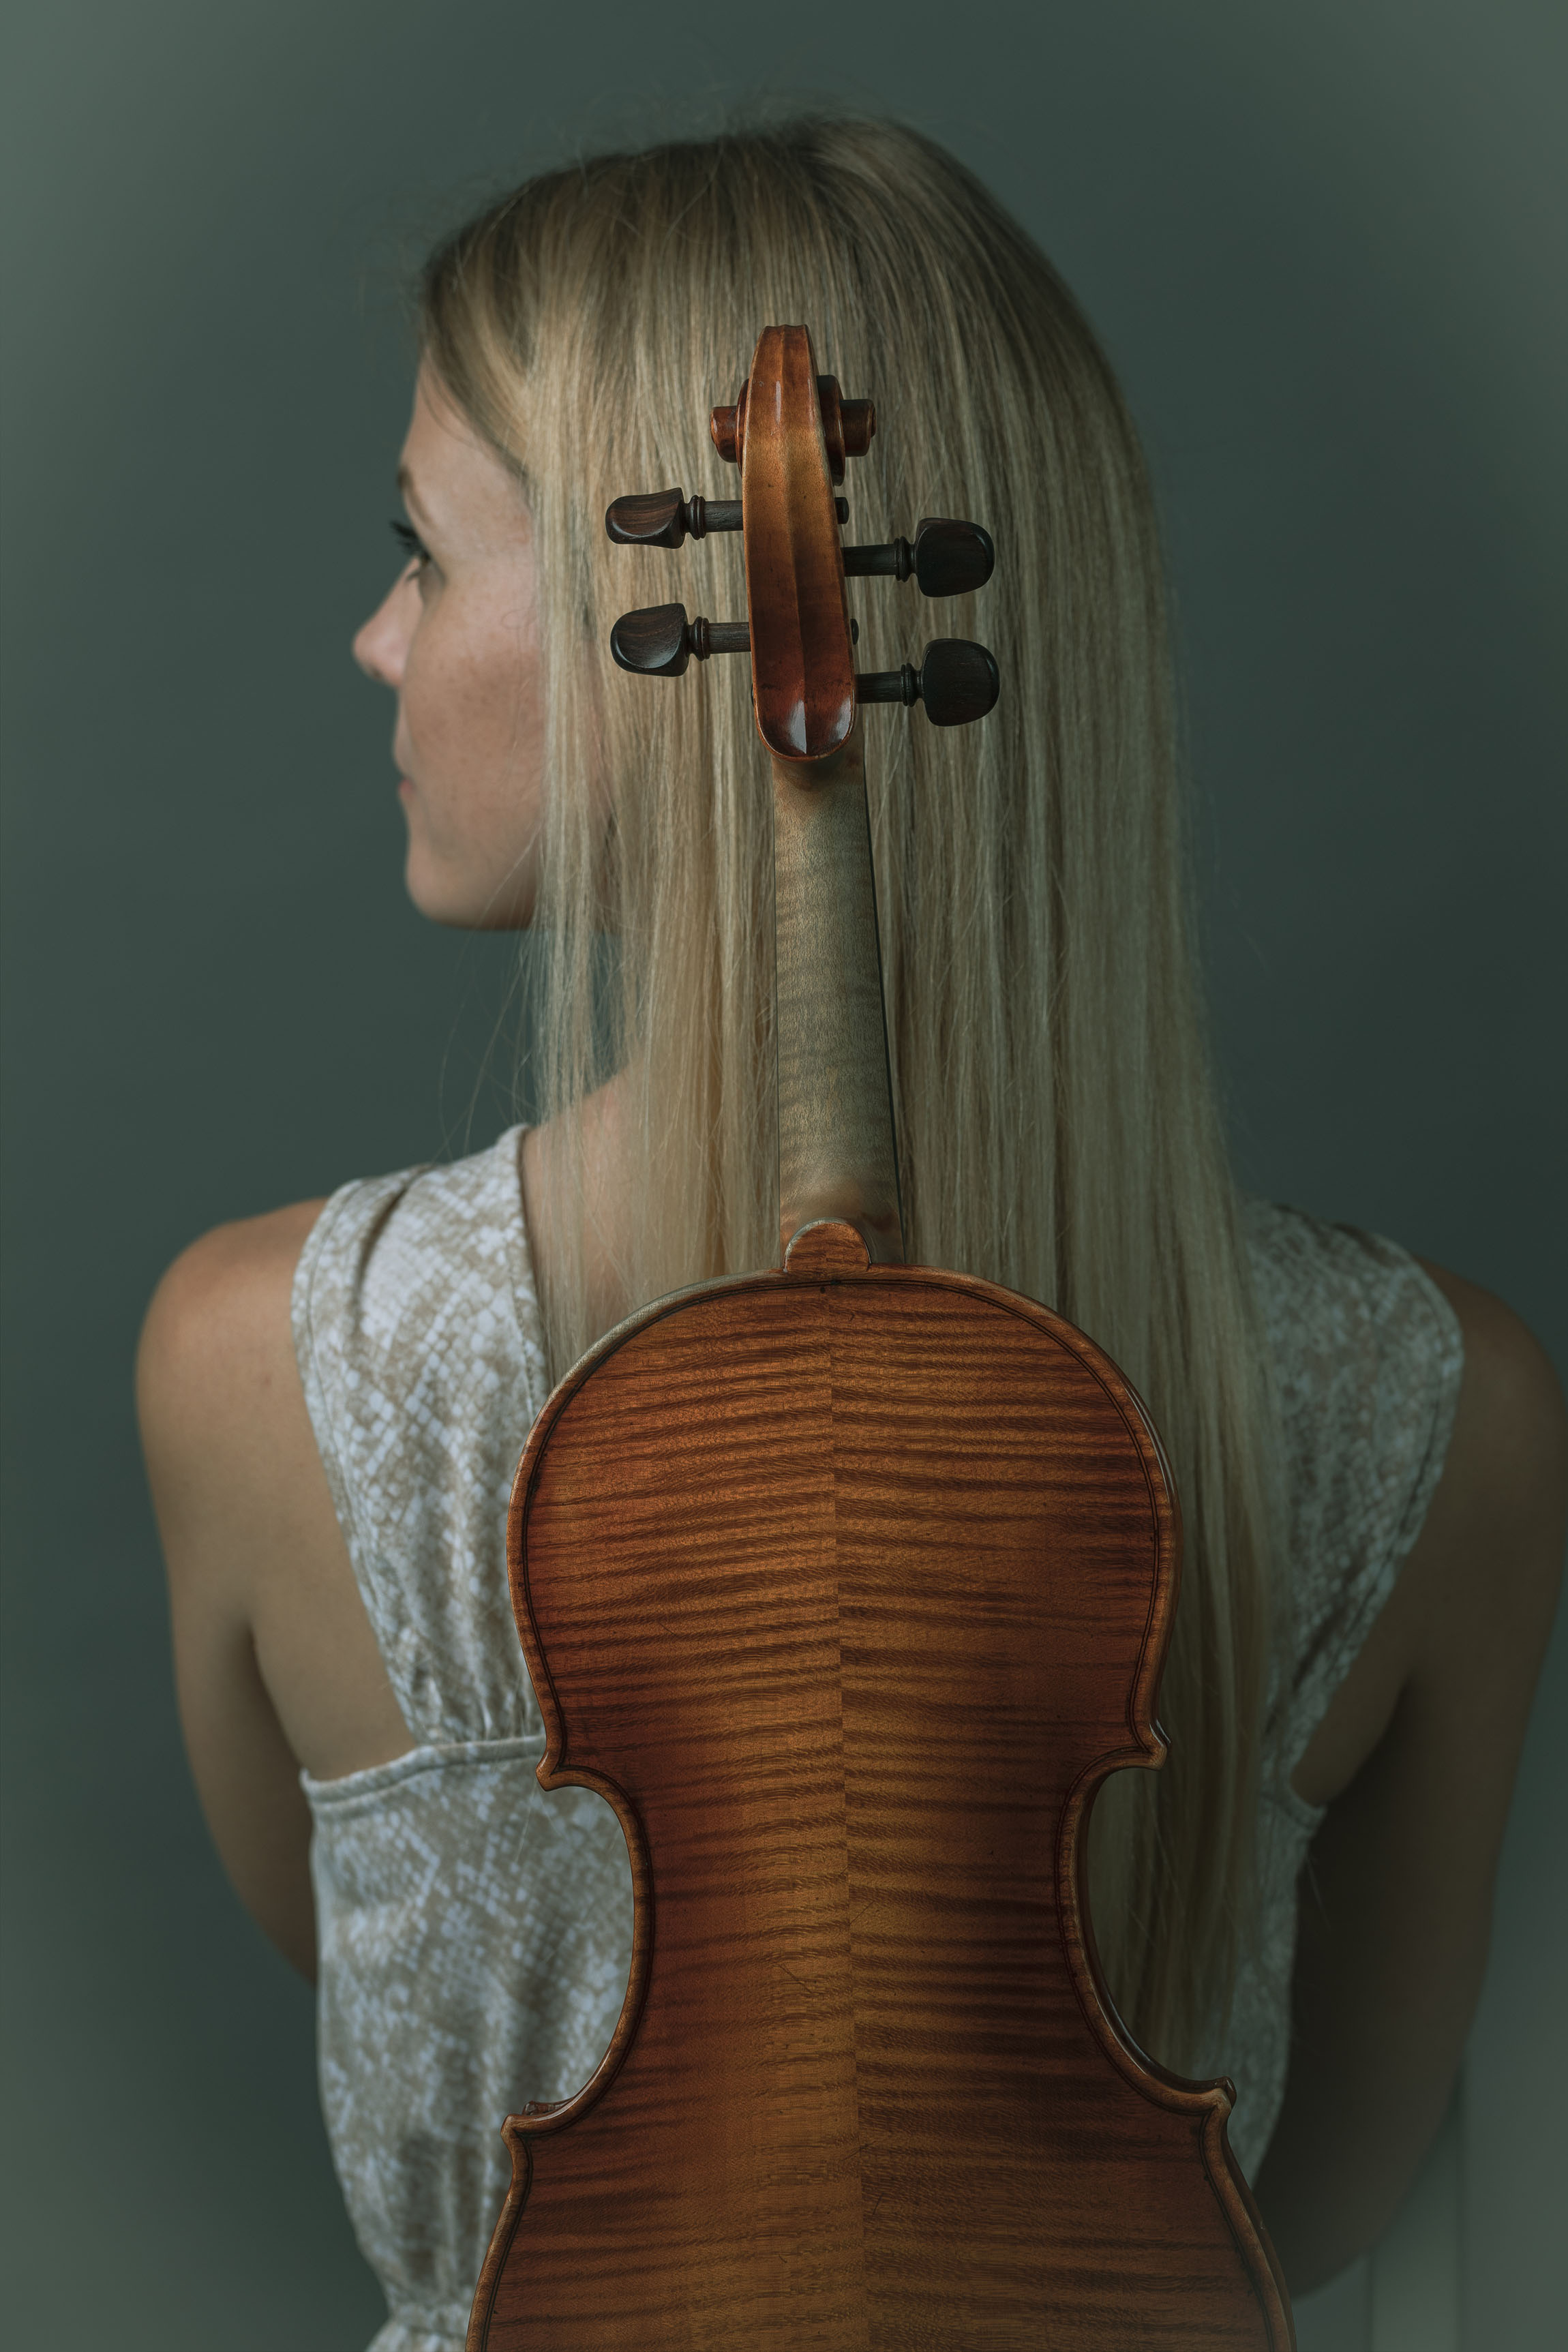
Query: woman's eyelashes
x=413, y=548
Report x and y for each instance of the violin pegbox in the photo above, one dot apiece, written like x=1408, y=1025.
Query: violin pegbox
x=798, y=629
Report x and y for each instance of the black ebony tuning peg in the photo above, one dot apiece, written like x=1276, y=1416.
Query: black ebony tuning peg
x=947, y=558
x=668, y=518
x=659, y=641
x=957, y=681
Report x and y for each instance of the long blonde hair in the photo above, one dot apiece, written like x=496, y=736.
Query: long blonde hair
x=1057, y=1118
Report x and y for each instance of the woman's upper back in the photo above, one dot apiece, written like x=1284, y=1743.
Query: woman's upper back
x=416, y=1330
x=444, y=1910
x=416, y=1327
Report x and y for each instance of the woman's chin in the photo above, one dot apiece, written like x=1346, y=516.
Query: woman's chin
x=460, y=904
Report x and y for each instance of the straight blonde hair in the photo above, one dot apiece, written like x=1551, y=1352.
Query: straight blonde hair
x=1056, y=1120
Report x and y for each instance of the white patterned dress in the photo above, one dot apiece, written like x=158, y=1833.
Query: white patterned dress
x=475, y=1935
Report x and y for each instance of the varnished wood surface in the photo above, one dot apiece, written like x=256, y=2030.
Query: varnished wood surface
x=835, y=1117
x=803, y=663
x=846, y=1585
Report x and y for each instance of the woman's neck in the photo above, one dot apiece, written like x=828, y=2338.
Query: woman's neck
x=587, y=1142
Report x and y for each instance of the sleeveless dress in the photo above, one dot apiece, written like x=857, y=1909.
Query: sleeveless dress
x=475, y=1934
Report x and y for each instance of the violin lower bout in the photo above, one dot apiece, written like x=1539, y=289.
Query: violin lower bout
x=847, y=1586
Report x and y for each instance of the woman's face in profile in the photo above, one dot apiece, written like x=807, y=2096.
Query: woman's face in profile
x=458, y=641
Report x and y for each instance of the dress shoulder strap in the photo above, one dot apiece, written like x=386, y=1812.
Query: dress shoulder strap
x=1367, y=1357
x=417, y=1332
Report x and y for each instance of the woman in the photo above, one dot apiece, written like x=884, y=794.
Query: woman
x=1371, y=1457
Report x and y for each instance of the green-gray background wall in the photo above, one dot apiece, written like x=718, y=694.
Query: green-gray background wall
x=1324, y=245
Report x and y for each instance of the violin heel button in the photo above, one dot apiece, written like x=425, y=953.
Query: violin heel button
x=825, y=1250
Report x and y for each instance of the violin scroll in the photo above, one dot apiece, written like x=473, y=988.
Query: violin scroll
x=798, y=630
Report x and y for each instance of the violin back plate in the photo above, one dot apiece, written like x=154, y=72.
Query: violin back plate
x=846, y=1585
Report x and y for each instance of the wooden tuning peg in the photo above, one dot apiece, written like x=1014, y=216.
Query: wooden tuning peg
x=946, y=557
x=667, y=518
x=847, y=426
x=728, y=428
x=659, y=641
x=957, y=681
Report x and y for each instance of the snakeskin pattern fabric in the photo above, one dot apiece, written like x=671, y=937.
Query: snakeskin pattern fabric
x=475, y=1934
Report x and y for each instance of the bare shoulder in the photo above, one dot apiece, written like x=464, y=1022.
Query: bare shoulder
x=218, y=1392
x=222, y=1298
x=1481, y=1586
x=1473, y=1605
x=275, y=1658
x=230, y=1461
x=1506, y=1467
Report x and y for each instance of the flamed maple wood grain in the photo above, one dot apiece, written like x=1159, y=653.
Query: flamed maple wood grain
x=863, y=2095
x=836, y=1155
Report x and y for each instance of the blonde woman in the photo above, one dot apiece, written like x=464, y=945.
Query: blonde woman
x=1371, y=1456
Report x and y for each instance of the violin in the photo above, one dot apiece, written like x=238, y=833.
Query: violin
x=846, y=1583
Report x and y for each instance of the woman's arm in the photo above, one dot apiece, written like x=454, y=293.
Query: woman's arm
x=275, y=1661
x=1415, y=1760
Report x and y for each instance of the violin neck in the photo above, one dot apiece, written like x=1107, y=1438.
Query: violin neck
x=837, y=1156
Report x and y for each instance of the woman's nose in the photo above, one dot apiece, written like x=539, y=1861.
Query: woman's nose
x=381, y=647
